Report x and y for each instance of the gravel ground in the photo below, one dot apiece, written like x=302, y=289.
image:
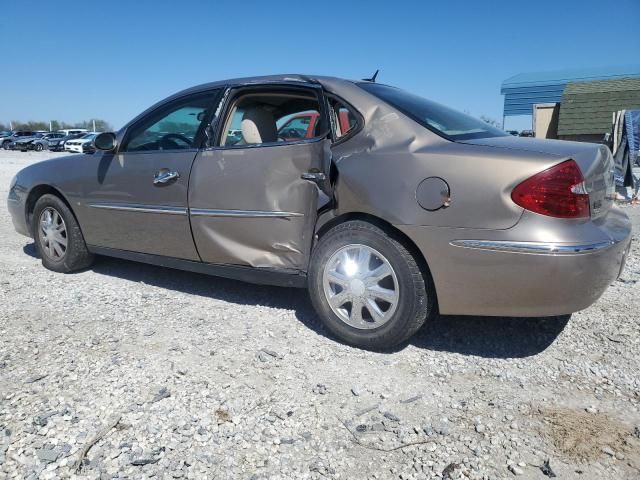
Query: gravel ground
x=167, y=374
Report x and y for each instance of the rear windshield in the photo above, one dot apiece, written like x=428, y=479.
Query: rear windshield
x=444, y=121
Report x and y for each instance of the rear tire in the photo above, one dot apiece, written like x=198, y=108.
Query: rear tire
x=58, y=237
x=39, y=147
x=390, y=306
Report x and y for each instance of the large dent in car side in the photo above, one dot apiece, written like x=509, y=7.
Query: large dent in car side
x=250, y=207
x=380, y=168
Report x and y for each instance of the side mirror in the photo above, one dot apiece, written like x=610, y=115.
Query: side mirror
x=105, y=141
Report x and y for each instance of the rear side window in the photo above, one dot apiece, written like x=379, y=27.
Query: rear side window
x=344, y=118
x=444, y=121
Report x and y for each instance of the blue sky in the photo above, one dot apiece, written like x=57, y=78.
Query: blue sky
x=71, y=60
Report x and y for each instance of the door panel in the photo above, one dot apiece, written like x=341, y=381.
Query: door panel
x=249, y=205
x=126, y=210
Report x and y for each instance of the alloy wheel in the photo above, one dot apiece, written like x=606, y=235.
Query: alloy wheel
x=53, y=234
x=361, y=286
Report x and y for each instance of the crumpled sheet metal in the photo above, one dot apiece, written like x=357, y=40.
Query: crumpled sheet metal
x=280, y=242
x=380, y=168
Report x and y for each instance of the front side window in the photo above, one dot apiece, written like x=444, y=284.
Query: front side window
x=445, y=121
x=177, y=127
x=270, y=117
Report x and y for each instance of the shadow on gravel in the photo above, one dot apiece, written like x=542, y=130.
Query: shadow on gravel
x=489, y=337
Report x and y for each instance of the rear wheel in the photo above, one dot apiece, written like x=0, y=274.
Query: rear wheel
x=39, y=147
x=58, y=237
x=367, y=288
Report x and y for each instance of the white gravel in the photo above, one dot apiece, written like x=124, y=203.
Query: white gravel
x=211, y=378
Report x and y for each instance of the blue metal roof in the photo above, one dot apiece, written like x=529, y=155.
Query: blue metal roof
x=523, y=91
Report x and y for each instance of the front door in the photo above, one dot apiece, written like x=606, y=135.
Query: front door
x=249, y=203
x=138, y=201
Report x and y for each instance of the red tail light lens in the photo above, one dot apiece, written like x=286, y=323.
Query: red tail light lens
x=558, y=191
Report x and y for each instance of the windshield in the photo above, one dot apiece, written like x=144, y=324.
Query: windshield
x=445, y=121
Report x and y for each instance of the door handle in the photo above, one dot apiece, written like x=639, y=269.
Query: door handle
x=314, y=176
x=165, y=176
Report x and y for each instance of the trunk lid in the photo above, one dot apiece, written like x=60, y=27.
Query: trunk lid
x=595, y=162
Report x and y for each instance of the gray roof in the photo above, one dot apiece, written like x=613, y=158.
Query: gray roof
x=587, y=107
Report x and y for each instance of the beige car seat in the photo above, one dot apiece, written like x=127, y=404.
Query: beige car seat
x=258, y=126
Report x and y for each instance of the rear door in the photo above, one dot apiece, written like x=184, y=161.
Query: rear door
x=254, y=202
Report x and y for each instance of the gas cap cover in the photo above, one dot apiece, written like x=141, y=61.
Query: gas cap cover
x=433, y=193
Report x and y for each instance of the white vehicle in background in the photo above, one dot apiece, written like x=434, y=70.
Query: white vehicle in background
x=83, y=144
x=72, y=131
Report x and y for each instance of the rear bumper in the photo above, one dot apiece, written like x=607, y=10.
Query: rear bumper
x=491, y=273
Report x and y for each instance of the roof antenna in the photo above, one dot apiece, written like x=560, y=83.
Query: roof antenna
x=372, y=79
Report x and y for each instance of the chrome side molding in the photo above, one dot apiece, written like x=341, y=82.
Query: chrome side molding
x=205, y=212
x=196, y=212
x=129, y=207
x=533, y=247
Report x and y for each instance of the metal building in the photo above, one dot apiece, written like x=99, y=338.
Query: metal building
x=523, y=91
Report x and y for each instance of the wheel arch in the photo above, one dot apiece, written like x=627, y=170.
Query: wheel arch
x=34, y=194
x=326, y=223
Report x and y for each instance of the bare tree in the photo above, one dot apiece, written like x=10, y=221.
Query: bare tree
x=491, y=121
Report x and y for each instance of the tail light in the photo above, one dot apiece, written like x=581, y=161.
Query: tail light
x=558, y=191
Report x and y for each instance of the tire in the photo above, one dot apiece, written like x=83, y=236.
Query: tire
x=413, y=288
x=39, y=147
x=5, y=145
x=74, y=256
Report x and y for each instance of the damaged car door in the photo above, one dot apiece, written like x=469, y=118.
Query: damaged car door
x=253, y=197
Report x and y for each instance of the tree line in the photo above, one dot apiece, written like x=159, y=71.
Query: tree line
x=101, y=125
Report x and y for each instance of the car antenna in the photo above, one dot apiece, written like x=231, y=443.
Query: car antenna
x=372, y=79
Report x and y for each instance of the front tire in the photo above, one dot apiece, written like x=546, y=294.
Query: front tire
x=39, y=147
x=58, y=237
x=367, y=288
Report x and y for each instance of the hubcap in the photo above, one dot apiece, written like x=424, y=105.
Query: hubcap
x=53, y=234
x=361, y=286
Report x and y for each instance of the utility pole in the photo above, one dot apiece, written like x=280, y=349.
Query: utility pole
x=50, y=126
x=94, y=125
x=10, y=125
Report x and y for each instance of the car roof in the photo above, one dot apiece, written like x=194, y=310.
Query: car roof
x=289, y=78
x=285, y=77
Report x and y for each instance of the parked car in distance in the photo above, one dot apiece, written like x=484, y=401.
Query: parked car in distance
x=527, y=133
x=57, y=145
x=408, y=209
x=7, y=142
x=304, y=125
x=81, y=144
x=515, y=133
x=23, y=142
x=38, y=142
x=73, y=131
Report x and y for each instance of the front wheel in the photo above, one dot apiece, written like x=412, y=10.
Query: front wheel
x=367, y=288
x=58, y=237
x=39, y=147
